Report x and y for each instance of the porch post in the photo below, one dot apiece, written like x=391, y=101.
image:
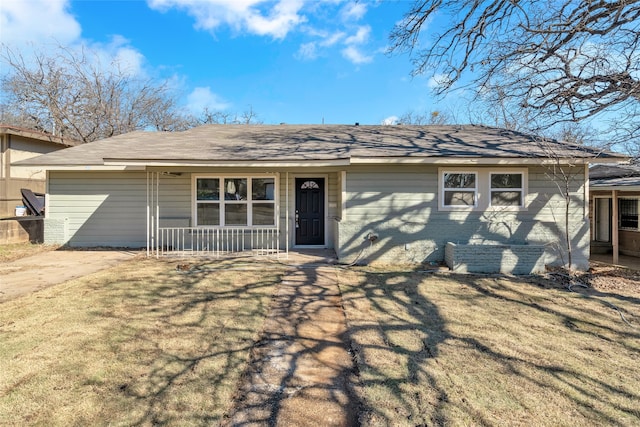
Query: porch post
x=614, y=225
x=286, y=198
x=157, y=214
x=148, y=213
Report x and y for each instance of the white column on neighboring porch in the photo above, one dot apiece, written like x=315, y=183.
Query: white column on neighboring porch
x=614, y=225
x=157, y=225
x=343, y=195
x=286, y=210
x=148, y=213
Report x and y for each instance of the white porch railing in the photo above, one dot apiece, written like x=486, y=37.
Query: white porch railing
x=220, y=241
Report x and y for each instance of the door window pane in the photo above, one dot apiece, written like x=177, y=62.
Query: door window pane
x=309, y=185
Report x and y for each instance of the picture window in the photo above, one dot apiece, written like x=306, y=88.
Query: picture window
x=235, y=202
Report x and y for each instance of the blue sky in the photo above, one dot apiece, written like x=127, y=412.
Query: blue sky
x=292, y=61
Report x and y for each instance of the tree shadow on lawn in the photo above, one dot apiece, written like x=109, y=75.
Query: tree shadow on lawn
x=487, y=350
x=182, y=338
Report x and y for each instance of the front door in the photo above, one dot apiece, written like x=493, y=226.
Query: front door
x=602, y=214
x=309, y=216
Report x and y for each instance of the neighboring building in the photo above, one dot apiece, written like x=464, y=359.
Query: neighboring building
x=20, y=144
x=375, y=193
x=615, y=202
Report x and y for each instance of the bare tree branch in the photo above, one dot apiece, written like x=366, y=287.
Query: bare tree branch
x=560, y=60
x=72, y=94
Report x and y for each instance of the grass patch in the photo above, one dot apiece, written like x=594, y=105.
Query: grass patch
x=13, y=251
x=138, y=344
x=469, y=350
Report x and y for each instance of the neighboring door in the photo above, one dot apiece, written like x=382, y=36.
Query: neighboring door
x=603, y=219
x=309, y=215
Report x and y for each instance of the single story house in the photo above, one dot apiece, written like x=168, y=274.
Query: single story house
x=615, y=202
x=20, y=144
x=482, y=198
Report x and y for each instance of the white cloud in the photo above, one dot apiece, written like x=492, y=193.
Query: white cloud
x=202, y=97
x=307, y=51
x=353, y=11
x=332, y=39
x=37, y=26
x=29, y=22
x=352, y=51
x=118, y=52
x=437, y=80
x=311, y=50
x=389, y=121
x=360, y=37
x=354, y=55
x=241, y=15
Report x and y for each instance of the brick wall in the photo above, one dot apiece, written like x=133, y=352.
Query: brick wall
x=513, y=259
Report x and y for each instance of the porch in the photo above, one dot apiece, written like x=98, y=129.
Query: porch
x=625, y=261
x=195, y=212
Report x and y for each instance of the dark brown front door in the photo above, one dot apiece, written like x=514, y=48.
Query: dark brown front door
x=309, y=211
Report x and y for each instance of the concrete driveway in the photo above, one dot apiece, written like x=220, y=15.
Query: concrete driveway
x=46, y=269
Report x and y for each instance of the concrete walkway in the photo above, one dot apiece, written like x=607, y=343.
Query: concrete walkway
x=300, y=371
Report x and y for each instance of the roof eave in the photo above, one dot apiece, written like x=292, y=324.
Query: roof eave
x=482, y=160
x=85, y=167
x=39, y=136
x=621, y=188
x=228, y=163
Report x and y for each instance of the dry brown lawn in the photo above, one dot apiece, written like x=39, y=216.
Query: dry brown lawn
x=13, y=251
x=145, y=343
x=443, y=349
x=138, y=344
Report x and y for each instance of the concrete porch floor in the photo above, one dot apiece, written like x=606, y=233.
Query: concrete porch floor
x=623, y=260
x=300, y=257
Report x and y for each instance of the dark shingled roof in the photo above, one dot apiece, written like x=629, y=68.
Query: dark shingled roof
x=614, y=176
x=256, y=143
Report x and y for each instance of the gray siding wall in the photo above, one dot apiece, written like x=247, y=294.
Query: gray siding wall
x=400, y=207
x=88, y=209
x=175, y=200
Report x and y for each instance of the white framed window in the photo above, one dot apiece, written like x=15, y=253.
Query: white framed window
x=507, y=189
x=459, y=189
x=246, y=201
x=482, y=188
x=629, y=213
